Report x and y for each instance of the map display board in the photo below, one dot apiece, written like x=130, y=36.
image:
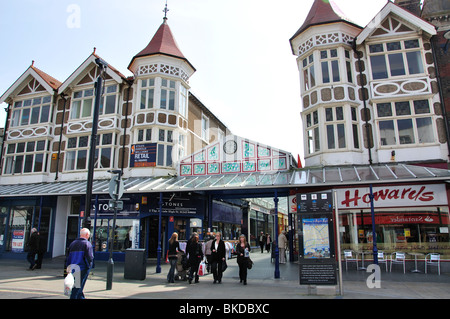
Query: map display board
x=317, y=259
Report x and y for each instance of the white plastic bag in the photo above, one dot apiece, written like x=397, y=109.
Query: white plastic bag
x=69, y=281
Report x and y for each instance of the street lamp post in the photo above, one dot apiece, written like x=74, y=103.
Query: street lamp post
x=90, y=178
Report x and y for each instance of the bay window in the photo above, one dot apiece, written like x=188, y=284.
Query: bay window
x=31, y=111
x=25, y=157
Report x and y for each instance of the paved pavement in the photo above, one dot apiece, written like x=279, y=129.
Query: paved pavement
x=18, y=282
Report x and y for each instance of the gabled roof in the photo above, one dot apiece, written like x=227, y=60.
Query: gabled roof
x=48, y=82
x=400, y=12
x=111, y=71
x=163, y=42
x=322, y=12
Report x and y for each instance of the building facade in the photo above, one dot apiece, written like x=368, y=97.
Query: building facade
x=147, y=123
x=372, y=96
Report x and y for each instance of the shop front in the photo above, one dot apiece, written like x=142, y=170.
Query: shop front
x=408, y=218
x=18, y=217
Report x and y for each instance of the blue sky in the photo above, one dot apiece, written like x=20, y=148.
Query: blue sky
x=246, y=73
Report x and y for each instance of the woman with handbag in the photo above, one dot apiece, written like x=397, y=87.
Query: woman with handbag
x=174, y=247
x=217, y=258
x=195, y=252
x=243, y=258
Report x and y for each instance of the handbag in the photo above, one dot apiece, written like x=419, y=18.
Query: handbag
x=202, y=269
x=224, y=265
x=250, y=263
x=69, y=282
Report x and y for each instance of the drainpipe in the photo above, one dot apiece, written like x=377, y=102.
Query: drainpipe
x=434, y=47
x=364, y=100
x=63, y=96
x=8, y=111
x=130, y=83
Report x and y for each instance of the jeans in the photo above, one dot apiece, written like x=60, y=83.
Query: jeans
x=77, y=292
x=171, y=274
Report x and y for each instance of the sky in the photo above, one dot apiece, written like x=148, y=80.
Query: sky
x=246, y=72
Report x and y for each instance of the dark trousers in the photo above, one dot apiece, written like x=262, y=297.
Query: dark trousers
x=31, y=256
x=217, y=270
x=243, y=270
x=77, y=292
x=261, y=244
x=194, y=269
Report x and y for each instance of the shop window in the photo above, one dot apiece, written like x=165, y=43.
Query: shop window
x=122, y=234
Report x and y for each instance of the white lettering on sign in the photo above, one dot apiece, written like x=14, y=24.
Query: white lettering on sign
x=393, y=196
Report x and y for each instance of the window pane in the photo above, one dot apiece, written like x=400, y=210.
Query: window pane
x=172, y=100
x=169, y=155
x=425, y=130
x=415, y=65
x=313, y=76
x=76, y=106
x=355, y=136
x=339, y=113
x=308, y=120
x=378, y=64
x=396, y=64
x=375, y=48
x=81, y=160
x=329, y=114
x=83, y=142
x=20, y=148
x=25, y=117
x=38, y=163
x=162, y=135
x=28, y=164
x=310, y=142
x=384, y=109
x=107, y=139
x=18, y=164
x=341, y=135
x=315, y=118
x=110, y=107
x=354, y=115
x=70, y=160
x=325, y=73
x=87, y=108
x=402, y=108
x=143, y=99
x=393, y=46
x=151, y=93
x=335, y=68
x=15, y=118
x=163, y=104
x=421, y=107
x=316, y=140
x=45, y=113
x=349, y=72
x=411, y=44
x=387, y=133
x=160, y=155
x=40, y=145
x=30, y=147
x=105, y=161
x=140, y=135
x=405, y=131
x=330, y=137
x=35, y=115
x=306, y=79
x=148, y=134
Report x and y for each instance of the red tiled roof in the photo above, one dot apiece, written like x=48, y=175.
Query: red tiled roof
x=321, y=13
x=163, y=42
x=54, y=83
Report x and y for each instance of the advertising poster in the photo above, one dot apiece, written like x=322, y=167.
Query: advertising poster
x=18, y=238
x=143, y=155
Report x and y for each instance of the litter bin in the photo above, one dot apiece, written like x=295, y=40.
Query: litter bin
x=135, y=264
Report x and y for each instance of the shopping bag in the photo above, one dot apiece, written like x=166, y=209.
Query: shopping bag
x=202, y=269
x=250, y=263
x=224, y=265
x=69, y=281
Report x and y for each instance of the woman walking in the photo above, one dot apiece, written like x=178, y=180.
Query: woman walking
x=217, y=258
x=195, y=252
x=242, y=251
x=174, y=247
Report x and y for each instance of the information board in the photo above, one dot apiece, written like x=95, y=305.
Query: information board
x=143, y=155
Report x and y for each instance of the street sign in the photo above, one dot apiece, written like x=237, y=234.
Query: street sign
x=113, y=187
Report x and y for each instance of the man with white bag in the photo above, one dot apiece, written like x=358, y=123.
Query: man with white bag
x=79, y=260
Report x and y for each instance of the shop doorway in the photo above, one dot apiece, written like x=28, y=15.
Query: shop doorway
x=152, y=227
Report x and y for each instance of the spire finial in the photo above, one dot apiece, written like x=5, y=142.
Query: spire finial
x=165, y=11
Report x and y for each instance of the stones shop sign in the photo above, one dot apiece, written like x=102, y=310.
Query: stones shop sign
x=393, y=196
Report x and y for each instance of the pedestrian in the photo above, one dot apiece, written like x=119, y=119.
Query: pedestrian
x=217, y=258
x=282, y=245
x=268, y=241
x=243, y=257
x=32, y=247
x=262, y=241
x=174, y=248
x=42, y=249
x=209, y=240
x=79, y=260
x=195, y=255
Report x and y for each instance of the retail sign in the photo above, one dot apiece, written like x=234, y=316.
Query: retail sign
x=143, y=155
x=393, y=196
x=17, y=244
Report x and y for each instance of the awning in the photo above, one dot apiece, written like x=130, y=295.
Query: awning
x=254, y=182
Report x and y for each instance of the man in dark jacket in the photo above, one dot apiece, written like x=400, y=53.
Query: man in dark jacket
x=195, y=252
x=79, y=258
x=33, y=247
